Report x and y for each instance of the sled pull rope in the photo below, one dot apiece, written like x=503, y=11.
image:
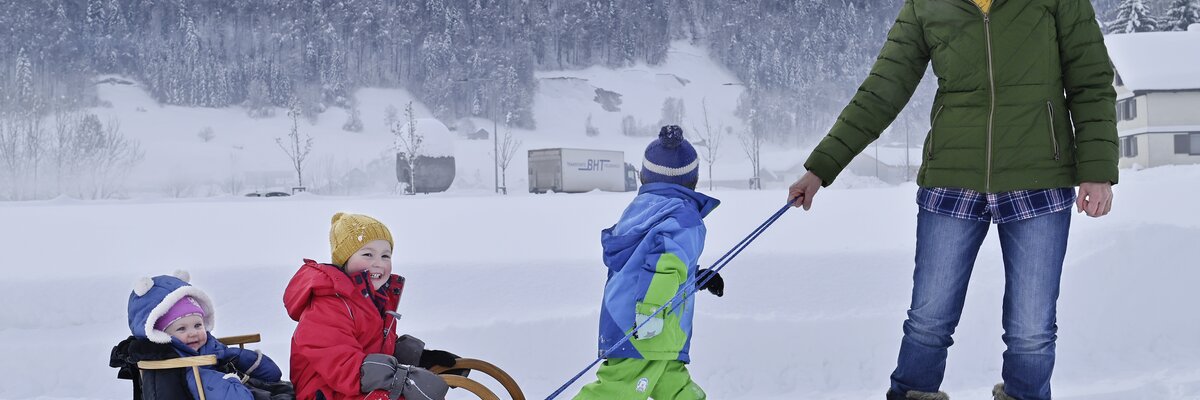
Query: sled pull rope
x=688, y=289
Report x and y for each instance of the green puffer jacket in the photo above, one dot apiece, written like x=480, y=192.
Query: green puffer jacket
x=1024, y=100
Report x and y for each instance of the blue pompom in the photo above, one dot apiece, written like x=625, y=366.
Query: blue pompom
x=671, y=136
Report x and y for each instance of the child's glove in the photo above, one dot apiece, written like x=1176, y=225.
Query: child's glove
x=716, y=285
x=382, y=372
x=420, y=384
x=409, y=350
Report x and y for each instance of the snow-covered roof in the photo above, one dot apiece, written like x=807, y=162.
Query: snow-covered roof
x=436, y=140
x=1156, y=60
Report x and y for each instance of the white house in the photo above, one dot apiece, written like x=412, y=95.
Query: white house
x=1158, y=96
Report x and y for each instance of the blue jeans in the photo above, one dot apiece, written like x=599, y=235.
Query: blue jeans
x=1033, y=251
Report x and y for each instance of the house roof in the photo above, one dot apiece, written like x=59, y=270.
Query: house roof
x=1156, y=60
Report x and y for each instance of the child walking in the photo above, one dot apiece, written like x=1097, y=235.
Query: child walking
x=345, y=345
x=651, y=253
x=166, y=309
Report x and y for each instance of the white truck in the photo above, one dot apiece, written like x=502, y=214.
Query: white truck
x=579, y=170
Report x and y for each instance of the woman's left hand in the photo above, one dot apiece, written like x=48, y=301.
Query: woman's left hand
x=1095, y=198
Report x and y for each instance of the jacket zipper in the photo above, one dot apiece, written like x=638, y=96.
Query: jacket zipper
x=932, y=125
x=1053, y=136
x=987, y=26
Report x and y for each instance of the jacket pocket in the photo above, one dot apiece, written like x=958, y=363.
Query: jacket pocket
x=647, y=324
x=932, y=128
x=1053, y=136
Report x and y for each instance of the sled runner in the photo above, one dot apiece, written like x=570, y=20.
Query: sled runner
x=457, y=381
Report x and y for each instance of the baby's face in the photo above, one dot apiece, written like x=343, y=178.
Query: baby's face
x=189, y=330
x=375, y=258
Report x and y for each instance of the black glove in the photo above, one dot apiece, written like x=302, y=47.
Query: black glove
x=716, y=285
x=441, y=358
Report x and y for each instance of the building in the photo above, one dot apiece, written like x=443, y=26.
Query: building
x=1158, y=96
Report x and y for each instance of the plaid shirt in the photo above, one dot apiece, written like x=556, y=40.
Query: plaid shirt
x=995, y=207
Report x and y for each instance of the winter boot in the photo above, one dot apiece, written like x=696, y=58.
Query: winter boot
x=998, y=393
x=915, y=395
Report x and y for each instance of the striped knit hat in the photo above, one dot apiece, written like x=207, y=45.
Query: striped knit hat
x=670, y=159
x=351, y=232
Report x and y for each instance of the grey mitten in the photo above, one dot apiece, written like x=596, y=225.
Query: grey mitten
x=382, y=372
x=423, y=385
x=408, y=350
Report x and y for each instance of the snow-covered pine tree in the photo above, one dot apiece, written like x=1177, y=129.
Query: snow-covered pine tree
x=24, y=81
x=1180, y=14
x=1133, y=16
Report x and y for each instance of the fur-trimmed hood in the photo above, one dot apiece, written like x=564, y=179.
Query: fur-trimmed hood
x=152, y=297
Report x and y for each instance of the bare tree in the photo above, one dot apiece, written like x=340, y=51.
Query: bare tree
x=508, y=148
x=752, y=141
x=10, y=152
x=107, y=155
x=206, y=134
x=234, y=182
x=64, y=148
x=390, y=116
x=673, y=111
x=588, y=128
x=297, y=149
x=711, y=142
x=408, y=143
x=353, y=118
x=34, y=142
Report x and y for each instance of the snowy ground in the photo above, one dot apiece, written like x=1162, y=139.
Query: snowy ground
x=812, y=310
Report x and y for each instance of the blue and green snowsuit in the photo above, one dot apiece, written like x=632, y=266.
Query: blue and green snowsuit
x=651, y=253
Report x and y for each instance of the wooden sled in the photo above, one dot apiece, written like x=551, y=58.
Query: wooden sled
x=161, y=368
x=476, y=388
x=454, y=381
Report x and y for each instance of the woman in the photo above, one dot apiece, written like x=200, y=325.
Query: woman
x=1024, y=112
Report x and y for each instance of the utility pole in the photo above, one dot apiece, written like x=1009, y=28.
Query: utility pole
x=495, y=147
x=495, y=139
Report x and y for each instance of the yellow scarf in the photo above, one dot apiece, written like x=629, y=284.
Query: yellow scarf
x=985, y=5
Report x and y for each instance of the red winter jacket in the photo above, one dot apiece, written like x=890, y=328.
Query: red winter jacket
x=338, y=326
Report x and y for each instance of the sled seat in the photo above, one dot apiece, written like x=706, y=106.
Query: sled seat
x=161, y=375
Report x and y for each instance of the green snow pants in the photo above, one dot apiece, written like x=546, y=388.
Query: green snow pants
x=636, y=379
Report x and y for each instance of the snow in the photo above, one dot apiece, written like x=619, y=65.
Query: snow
x=812, y=309
x=244, y=148
x=436, y=139
x=1156, y=60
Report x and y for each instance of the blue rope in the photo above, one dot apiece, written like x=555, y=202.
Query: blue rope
x=688, y=289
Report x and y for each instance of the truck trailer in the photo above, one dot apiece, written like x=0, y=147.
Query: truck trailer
x=578, y=170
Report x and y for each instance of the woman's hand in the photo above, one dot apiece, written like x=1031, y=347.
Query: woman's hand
x=1095, y=198
x=804, y=190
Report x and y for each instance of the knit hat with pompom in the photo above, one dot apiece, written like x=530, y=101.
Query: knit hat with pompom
x=350, y=232
x=670, y=159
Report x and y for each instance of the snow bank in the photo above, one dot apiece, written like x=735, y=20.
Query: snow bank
x=812, y=309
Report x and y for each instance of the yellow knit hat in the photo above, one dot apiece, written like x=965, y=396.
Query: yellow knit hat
x=351, y=232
